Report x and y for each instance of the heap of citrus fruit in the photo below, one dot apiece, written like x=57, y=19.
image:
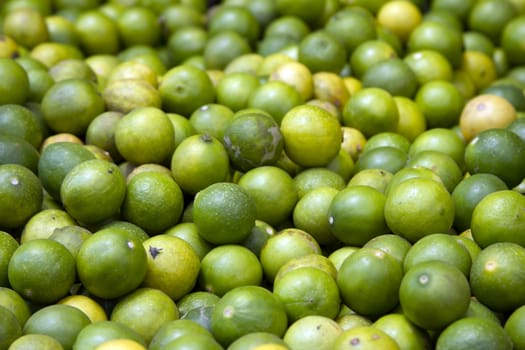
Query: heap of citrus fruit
x=262, y=174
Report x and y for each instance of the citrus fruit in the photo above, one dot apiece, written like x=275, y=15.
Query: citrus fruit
x=276, y=98
x=417, y=207
x=498, y=262
x=14, y=76
x=153, y=201
x=184, y=88
x=404, y=332
x=297, y=75
x=93, y=191
x=393, y=75
x=8, y=247
x=442, y=140
x=10, y=330
x=247, y=309
x=145, y=135
x=430, y=97
x=440, y=163
x=307, y=291
x=373, y=177
x=223, y=47
x=236, y=18
x=369, y=53
x=229, y=266
x=510, y=39
x=42, y=271
x=16, y=304
x=386, y=158
x=391, y=244
x=312, y=332
x=197, y=307
x=432, y=35
x=312, y=137
x=429, y=65
x=485, y=111
x=438, y=247
x=356, y=215
x=56, y=160
x=389, y=17
x=312, y=178
x=97, y=333
x=58, y=106
x=198, y=342
x=490, y=17
x=510, y=92
x=499, y=152
x=320, y=51
x=314, y=260
x=234, y=89
x=172, y=265
x=22, y=195
x=211, y=119
x=120, y=344
x=30, y=341
x=371, y=111
x=93, y=310
x=188, y=232
x=273, y=192
x=427, y=287
x=469, y=192
x=253, y=140
x=102, y=260
x=44, y=223
x=16, y=150
x=369, y=281
x=96, y=33
x=145, y=310
x=124, y=95
x=17, y=120
x=224, y=213
x=62, y=322
x=311, y=214
x=175, y=329
x=513, y=327
x=365, y=338
x=473, y=332
x=199, y=161
x=255, y=339
x=352, y=26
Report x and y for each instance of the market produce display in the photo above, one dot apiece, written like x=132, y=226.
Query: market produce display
x=262, y=174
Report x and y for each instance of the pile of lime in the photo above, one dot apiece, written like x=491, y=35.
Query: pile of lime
x=262, y=174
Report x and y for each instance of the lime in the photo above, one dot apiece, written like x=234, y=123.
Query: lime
x=22, y=195
x=276, y=98
x=393, y=75
x=223, y=47
x=188, y=232
x=469, y=192
x=15, y=303
x=16, y=120
x=42, y=271
x=8, y=247
x=62, y=322
x=175, y=329
x=490, y=152
x=427, y=287
x=30, y=341
x=241, y=310
x=229, y=266
x=371, y=110
x=440, y=163
x=473, y=332
x=312, y=137
x=71, y=97
x=11, y=329
x=102, y=259
x=513, y=325
x=93, y=310
x=44, y=223
x=438, y=247
x=394, y=245
x=145, y=310
x=320, y=51
x=153, y=201
x=172, y=265
x=407, y=335
x=93, y=191
x=312, y=332
x=97, y=333
x=273, y=192
x=15, y=83
x=356, y=215
x=417, y=207
x=255, y=339
x=185, y=88
x=224, y=213
x=365, y=338
x=353, y=26
x=369, y=281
